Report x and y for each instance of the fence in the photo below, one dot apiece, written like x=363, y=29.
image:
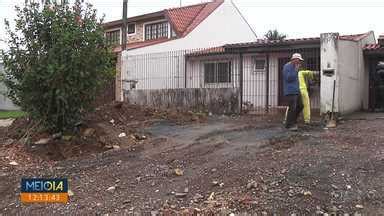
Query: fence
x=212, y=79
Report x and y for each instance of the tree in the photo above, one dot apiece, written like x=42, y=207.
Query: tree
x=56, y=63
x=275, y=35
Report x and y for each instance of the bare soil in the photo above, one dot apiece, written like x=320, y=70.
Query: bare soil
x=246, y=164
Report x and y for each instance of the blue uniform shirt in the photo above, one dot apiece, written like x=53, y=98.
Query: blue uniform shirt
x=290, y=80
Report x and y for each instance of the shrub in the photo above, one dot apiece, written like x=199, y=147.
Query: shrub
x=56, y=63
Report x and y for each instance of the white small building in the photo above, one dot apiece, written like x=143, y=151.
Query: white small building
x=256, y=68
x=5, y=103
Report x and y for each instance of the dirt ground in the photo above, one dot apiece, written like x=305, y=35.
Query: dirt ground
x=172, y=163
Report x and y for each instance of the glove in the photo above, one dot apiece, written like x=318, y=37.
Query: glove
x=316, y=73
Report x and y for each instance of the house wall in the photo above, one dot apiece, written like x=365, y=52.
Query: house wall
x=254, y=82
x=154, y=71
x=352, y=79
x=5, y=103
x=214, y=100
x=225, y=25
x=139, y=33
x=195, y=71
x=329, y=61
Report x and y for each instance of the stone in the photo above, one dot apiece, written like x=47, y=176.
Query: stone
x=111, y=189
x=6, y=122
x=179, y=172
x=89, y=132
x=251, y=184
x=70, y=193
x=359, y=206
x=333, y=209
x=13, y=163
x=198, y=196
x=180, y=195
x=121, y=135
x=307, y=193
x=66, y=138
x=57, y=136
x=186, y=190
x=43, y=141
x=116, y=147
x=154, y=213
x=213, y=170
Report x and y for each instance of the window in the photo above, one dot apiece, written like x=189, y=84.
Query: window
x=217, y=72
x=156, y=30
x=173, y=34
x=131, y=28
x=112, y=37
x=259, y=65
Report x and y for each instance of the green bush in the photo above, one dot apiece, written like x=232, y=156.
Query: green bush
x=56, y=63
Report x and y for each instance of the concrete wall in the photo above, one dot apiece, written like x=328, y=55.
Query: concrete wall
x=346, y=58
x=349, y=77
x=5, y=103
x=217, y=100
x=225, y=25
x=329, y=61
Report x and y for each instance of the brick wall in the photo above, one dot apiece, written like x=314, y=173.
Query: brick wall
x=139, y=35
x=118, y=85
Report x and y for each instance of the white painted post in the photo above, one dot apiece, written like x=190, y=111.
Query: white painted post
x=329, y=71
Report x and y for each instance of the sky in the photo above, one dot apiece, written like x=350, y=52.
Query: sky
x=296, y=18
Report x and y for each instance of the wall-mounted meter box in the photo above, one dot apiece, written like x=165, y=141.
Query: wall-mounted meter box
x=329, y=72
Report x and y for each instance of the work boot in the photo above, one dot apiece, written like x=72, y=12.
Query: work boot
x=293, y=128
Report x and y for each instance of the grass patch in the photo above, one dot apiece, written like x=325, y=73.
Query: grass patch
x=11, y=114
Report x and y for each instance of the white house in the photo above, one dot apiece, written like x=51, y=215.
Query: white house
x=256, y=67
x=5, y=103
x=253, y=71
x=165, y=32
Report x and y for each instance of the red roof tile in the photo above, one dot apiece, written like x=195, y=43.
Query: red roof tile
x=262, y=42
x=186, y=19
x=372, y=47
x=208, y=51
x=355, y=37
x=181, y=18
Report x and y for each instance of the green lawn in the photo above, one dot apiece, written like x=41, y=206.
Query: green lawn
x=11, y=114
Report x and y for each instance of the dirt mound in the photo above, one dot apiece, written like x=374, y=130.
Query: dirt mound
x=110, y=126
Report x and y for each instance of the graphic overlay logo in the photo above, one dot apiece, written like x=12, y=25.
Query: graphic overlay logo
x=44, y=190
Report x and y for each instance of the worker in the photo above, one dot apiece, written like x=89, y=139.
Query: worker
x=291, y=91
x=304, y=77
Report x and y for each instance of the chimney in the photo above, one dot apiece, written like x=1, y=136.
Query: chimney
x=381, y=40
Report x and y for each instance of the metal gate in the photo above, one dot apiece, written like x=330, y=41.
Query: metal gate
x=262, y=82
